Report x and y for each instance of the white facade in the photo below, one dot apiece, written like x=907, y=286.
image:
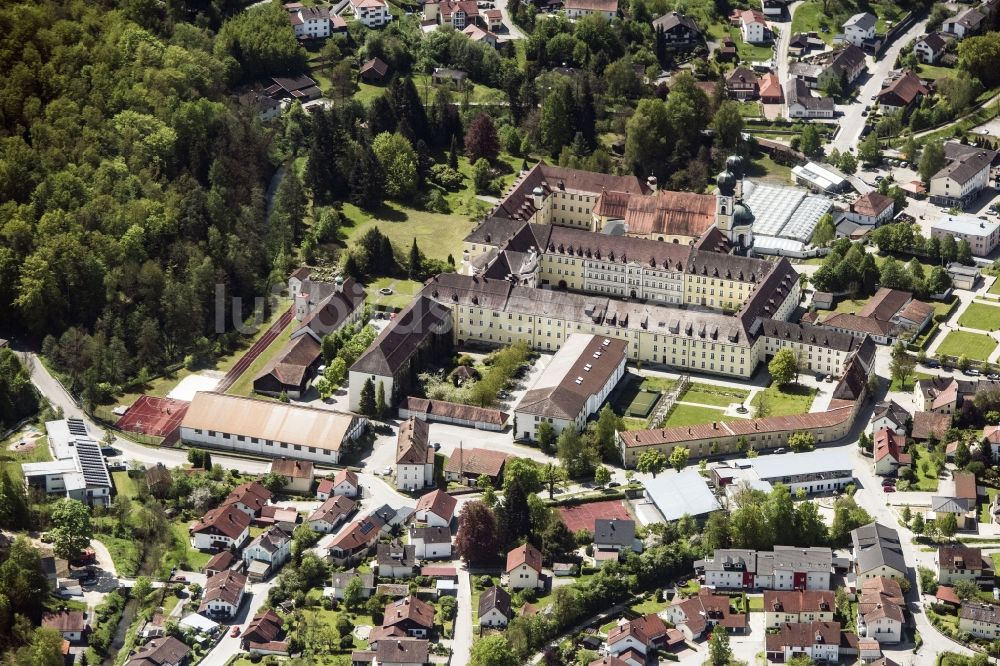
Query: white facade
x=345, y=488
x=218, y=607
x=276, y=558
x=356, y=381
x=859, y=29
x=311, y=23
x=414, y=477
x=522, y=577
x=493, y=618
x=982, y=236
x=753, y=31
x=432, y=519
x=209, y=540
x=883, y=629
x=818, y=652
x=431, y=551
x=371, y=13
x=926, y=53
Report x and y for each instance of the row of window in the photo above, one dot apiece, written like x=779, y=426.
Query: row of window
x=255, y=440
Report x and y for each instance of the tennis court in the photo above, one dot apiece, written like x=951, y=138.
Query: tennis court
x=642, y=404
x=154, y=416
x=583, y=516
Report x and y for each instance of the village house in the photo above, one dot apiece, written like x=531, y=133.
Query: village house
x=784, y=568
x=782, y=607
x=803, y=104
x=158, y=480
x=456, y=13
x=980, y=620
x=219, y=562
x=331, y=514
x=268, y=552
x=641, y=635
x=442, y=411
x=494, y=608
x=963, y=277
x=871, y=209
x=411, y=615
x=770, y=89
x=881, y=610
x=930, y=425
x=431, y=543
x=524, y=567
x=889, y=414
x=877, y=552
x=752, y=24
x=963, y=24
x=859, y=30
x=371, y=13
x=414, y=456
x=696, y=616
x=888, y=452
x=436, y=509
x=467, y=465
x=221, y=528
x=299, y=474
x=930, y=48
x=965, y=174
x=963, y=509
x=902, y=92
x=162, y=651
x=477, y=34
x=71, y=624
x=616, y=536
x=250, y=498
x=576, y=9
x=340, y=581
x=343, y=484
x=299, y=88
x=742, y=84
x=818, y=640
x=395, y=560
x=264, y=635
x=315, y=22
x=357, y=539
x=677, y=30
x=958, y=562
x=223, y=595
x=374, y=71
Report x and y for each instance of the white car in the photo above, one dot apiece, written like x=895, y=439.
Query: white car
x=387, y=471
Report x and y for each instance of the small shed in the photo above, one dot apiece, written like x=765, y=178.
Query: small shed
x=823, y=300
x=374, y=71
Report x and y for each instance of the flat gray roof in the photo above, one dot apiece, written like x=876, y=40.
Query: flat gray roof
x=791, y=464
x=684, y=493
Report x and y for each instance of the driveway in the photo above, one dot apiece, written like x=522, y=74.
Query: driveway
x=228, y=646
x=513, y=32
x=852, y=122
x=462, y=640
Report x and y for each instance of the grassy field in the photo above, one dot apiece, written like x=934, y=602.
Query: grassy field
x=749, y=52
x=897, y=386
x=809, y=17
x=125, y=484
x=11, y=460
x=850, y=305
x=974, y=345
x=244, y=385
x=787, y=400
x=766, y=169
x=684, y=415
x=995, y=287
x=403, y=292
x=438, y=235
x=709, y=394
x=926, y=482
x=650, y=605
x=756, y=604
x=750, y=109
x=182, y=552
x=981, y=316
x=935, y=72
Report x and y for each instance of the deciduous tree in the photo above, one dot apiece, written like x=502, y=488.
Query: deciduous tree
x=481, y=140
x=651, y=462
x=476, y=541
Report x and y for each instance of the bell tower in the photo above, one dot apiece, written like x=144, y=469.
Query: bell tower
x=725, y=200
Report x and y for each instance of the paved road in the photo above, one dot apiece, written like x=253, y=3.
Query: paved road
x=852, y=122
x=228, y=646
x=784, y=36
x=148, y=455
x=513, y=32
x=462, y=640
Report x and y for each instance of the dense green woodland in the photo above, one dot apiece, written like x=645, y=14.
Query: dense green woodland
x=129, y=185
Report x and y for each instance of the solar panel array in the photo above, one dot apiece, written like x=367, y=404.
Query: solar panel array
x=95, y=472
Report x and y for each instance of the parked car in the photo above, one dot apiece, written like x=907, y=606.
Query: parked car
x=994, y=376
x=386, y=471
x=931, y=363
x=972, y=372
x=780, y=449
x=888, y=489
x=613, y=484
x=235, y=632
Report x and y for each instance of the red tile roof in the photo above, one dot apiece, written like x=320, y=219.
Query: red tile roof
x=439, y=503
x=476, y=462
x=871, y=204
x=929, y=424
x=226, y=520
x=65, y=621
x=798, y=601
x=409, y=608
x=888, y=443
x=292, y=469
x=526, y=554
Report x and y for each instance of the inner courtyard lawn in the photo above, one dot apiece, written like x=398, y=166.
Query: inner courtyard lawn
x=973, y=345
x=981, y=316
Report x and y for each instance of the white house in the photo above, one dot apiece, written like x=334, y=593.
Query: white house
x=871, y=209
x=980, y=620
x=340, y=581
x=494, y=608
x=414, y=456
x=818, y=640
x=889, y=414
x=524, y=566
x=801, y=103
x=222, y=527
x=930, y=48
x=961, y=25
x=223, y=594
x=860, y=28
x=371, y=13
x=71, y=624
x=576, y=9
x=77, y=469
x=344, y=483
x=888, y=451
x=436, y=509
x=273, y=548
x=574, y=385
x=966, y=173
x=431, y=543
x=331, y=514
x=310, y=22
x=983, y=236
x=753, y=27
x=877, y=552
x=881, y=610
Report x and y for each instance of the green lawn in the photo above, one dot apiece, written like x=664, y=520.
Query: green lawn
x=995, y=287
x=908, y=386
x=936, y=72
x=926, y=480
x=850, y=305
x=749, y=52
x=477, y=94
x=756, y=604
x=809, y=17
x=974, y=345
x=657, y=384
x=764, y=168
x=981, y=316
x=787, y=400
x=650, y=605
x=244, y=385
x=750, y=109
x=709, y=394
x=182, y=555
x=683, y=415
x=403, y=292
x=125, y=484
x=12, y=460
x=438, y=235
x=984, y=509
x=632, y=423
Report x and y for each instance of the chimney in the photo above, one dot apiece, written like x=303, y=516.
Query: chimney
x=651, y=183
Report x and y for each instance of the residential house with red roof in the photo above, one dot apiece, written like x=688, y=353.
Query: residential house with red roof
x=223, y=594
x=72, y=624
x=436, y=509
x=344, y=483
x=249, y=498
x=357, y=539
x=959, y=562
x=902, y=92
x=414, y=456
x=881, y=610
x=770, y=89
x=524, y=567
x=265, y=635
x=331, y=514
x=411, y=615
x=221, y=528
x=794, y=606
x=888, y=452
x=298, y=474
x=818, y=640
x=871, y=209
x=696, y=616
x=577, y=9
